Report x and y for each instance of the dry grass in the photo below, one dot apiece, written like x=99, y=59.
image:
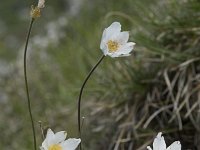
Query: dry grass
x=158, y=89
x=171, y=105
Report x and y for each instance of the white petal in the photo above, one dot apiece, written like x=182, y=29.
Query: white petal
x=149, y=148
x=103, y=45
x=115, y=27
x=43, y=148
x=127, y=48
x=123, y=37
x=50, y=137
x=124, y=50
x=112, y=31
x=70, y=144
x=44, y=145
x=113, y=55
x=60, y=137
x=41, y=3
x=159, y=142
x=175, y=146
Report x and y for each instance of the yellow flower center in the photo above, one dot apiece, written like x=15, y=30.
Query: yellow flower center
x=112, y=46
x=55, y=147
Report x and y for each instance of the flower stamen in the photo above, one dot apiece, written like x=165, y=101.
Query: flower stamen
x=55, y=147
x=112, y=46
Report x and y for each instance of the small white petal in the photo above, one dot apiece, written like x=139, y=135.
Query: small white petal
x=113, y=55
x=123, y=37
x=175, y=146
x=149, y=148
x=41, y=3
x=124, y=55
x=103, y=45
x=159, y=142
x=70, y=144
x=44, y=145
x=113, y=29
x=50, y=137
x=60, y=137
x=127, y=48
x=123, y=51
x=103, y=39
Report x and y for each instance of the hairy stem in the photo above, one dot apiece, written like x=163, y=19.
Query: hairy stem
x=81, y=92
x=26, y=84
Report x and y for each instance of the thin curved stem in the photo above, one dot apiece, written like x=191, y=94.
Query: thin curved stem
x=81, y=92
x=26, y=84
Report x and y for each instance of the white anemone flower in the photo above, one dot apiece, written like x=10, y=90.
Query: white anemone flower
x=159, y=144
x=41, y=4
x=114, y=43
x=58, y=141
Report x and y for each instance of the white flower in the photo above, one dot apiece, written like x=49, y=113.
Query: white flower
x=115, y=43
x=41, y=4
x=159, y=144
x=57, y=141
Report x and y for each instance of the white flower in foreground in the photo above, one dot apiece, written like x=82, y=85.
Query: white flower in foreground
x=159, y=144
x=57, y=141
x=41, y=4
x=115, y=43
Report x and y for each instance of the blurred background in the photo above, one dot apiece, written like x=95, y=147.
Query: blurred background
x=127, y=100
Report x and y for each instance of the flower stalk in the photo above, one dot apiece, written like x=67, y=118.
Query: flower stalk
x=26, y=83
x=34, y=14
x=81, y=92
x=114, y=43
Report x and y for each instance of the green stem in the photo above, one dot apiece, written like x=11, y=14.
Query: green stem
x=81, y=92
x=26, y=84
